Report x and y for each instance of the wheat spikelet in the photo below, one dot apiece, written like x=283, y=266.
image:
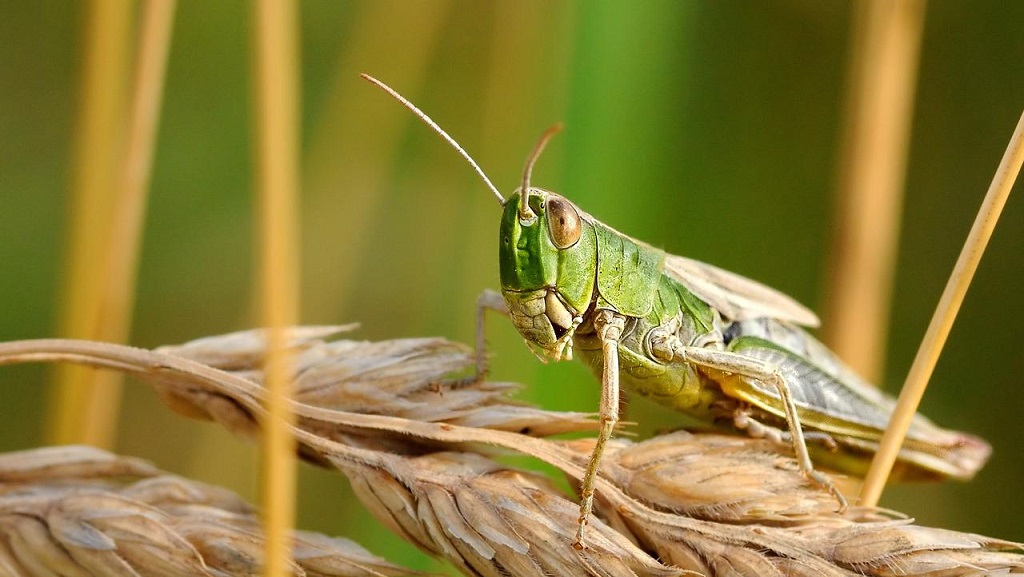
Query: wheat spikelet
x=712, y=504
x=404, y=378
x=82, y=512
x=749, y=513
x=489, y=520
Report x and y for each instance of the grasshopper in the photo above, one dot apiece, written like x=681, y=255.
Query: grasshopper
x=699, y=339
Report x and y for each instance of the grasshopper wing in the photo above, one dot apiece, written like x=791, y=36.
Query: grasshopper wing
x=830, y=398
x=736, y=297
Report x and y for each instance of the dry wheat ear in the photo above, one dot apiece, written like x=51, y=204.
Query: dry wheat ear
x=419, y=449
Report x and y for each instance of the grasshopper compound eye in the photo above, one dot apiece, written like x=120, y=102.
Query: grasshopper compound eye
x=563, y=222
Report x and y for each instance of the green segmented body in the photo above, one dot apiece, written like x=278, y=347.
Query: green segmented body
x=608, y=270
x=696, y=338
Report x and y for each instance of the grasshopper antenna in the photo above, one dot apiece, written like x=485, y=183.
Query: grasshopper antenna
x=440, y=131
x=525, y=213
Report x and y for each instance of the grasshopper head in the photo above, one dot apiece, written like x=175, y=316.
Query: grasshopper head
x=548, y=262
x=548, y=251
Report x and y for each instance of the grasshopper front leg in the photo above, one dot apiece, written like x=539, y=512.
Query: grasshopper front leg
x=767, y=373
x=609, y=326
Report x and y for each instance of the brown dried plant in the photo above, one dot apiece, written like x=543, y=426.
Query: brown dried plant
x=78, y=511
x=418, y=447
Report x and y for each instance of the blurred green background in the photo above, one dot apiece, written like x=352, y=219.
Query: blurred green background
x=708, y=128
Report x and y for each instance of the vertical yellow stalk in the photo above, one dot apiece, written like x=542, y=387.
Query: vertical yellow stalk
x=275, y=86
x=883, y=70
x=945, y=314
x=83, y=403
x=154, y=41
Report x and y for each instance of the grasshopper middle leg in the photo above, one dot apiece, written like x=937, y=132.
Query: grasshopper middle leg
x=743, y=421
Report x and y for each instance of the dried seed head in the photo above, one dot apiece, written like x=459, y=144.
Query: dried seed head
x=96, y=514
x=707, y=503
x=683, y=473
x=492, y=521
x=748, y=511
x=74, y=462
x=405, y=378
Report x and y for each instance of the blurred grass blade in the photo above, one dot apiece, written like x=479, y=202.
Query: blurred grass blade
x=883, y=74
x=524, y=90
x=154, y=42
x=945, y=314
x=276, y=104
x=607, y=119
x=354, y=136
x=83, y=403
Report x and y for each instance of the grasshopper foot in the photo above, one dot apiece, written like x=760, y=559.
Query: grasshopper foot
x=454, y=384
x=586, y=507
x=577, y=542
x=826, y=483
x=743, y=421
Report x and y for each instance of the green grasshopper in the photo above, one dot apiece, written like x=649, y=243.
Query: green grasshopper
x=702, y=340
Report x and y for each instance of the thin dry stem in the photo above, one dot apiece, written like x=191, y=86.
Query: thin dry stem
x=83, y=402
x=276, y=110
x=945, y=314
x=883, y=72
x=124, y=243
x=708, y=503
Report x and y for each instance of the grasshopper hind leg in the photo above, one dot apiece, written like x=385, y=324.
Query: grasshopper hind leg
x=764, y=372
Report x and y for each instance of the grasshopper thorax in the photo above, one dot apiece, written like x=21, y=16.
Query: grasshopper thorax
x=547, y=258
